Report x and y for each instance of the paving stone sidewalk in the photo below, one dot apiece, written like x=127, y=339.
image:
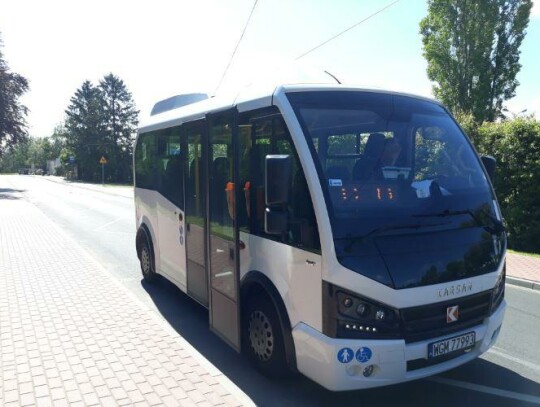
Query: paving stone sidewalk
x=523, y=270
x=71, y=335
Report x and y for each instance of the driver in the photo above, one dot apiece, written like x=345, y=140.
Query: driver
x=390, y=154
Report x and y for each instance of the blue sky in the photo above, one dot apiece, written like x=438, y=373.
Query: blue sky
x=168, y=47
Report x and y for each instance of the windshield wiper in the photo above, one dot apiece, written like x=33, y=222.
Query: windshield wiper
x=382, y=229
x=497, y=227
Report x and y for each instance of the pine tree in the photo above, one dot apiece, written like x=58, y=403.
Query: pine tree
x=12, y=112
x=85, y=131
x=101, y=122
x=120, y=121
x=472, y=49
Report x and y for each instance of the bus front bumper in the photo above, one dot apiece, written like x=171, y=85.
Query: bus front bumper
x=321, y=359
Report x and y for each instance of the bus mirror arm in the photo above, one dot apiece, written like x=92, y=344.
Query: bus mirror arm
x=276, y=221
x=277, y=177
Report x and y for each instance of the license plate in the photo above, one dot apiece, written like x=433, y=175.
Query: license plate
x=446, y=346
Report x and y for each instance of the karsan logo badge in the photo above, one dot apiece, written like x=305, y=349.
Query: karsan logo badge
x=452, y=314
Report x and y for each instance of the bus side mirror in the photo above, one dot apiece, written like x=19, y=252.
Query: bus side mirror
x=277, y=193
x=277, y=179
x=490, y=164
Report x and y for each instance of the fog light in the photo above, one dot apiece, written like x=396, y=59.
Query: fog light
x=368, y=371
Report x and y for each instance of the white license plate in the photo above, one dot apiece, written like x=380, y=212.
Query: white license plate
x=436, y=349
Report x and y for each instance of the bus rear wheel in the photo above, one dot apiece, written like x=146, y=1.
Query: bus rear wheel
x=263, y=337
x=147, y=262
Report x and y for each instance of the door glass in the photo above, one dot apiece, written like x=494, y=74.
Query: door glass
x=197, y=282
x=221, y=208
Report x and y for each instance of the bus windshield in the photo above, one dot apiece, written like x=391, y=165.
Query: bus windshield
x=392, y=164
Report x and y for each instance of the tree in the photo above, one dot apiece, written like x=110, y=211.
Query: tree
x=85, y=130
x=30, y=152
x=101, y=121
x=120, y=121
x=12, y=112
x=472, y=50
x=516, y=145
x=57, y=142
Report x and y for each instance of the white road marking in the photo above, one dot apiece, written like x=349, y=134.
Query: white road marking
x=108, y=224
x=486, y=389
x=501, y=353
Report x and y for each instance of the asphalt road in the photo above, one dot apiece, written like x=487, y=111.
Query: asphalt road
x=103, y=223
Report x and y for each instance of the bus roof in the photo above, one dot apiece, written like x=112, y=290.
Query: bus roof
x=247, y=99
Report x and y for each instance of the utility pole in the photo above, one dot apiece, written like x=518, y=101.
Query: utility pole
x=103, y=161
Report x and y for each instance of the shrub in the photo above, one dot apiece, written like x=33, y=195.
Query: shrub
x=516, y=146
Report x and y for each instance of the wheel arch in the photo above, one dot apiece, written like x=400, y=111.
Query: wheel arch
x=255, y=282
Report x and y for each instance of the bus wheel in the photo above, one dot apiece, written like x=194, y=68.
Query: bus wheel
x=147, y=262
x=263, y=338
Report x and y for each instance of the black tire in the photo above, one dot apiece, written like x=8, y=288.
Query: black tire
x=146, y=258
x=262, y=337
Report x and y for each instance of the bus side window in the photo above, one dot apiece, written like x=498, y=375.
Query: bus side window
x=170, y=165
x=145, y=162
x=303, y=222
x=269, y=135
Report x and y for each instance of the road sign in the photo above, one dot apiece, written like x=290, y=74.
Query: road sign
x=103, y=160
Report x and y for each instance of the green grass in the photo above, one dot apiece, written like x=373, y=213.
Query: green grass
x=525, y=254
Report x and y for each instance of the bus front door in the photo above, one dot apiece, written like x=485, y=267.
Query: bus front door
x=195, y=192
x=222, y=232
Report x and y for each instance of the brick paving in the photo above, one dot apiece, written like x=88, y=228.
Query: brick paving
x=71, y=335
x=523, y=267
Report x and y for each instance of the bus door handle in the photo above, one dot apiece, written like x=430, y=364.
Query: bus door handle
x=310, y=262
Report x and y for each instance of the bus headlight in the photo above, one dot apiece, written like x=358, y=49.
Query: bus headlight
x=498, y=292
x=349, y=315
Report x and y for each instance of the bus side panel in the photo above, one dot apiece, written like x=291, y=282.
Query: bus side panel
x=295, y=273
x=171, y=241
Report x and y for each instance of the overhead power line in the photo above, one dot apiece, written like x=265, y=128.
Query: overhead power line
x=237, y=45
x=348, y=29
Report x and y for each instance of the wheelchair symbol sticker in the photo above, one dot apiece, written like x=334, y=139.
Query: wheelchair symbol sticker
x=363, y=354
x=345, y=355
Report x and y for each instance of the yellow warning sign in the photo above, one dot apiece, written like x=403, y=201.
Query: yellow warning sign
x=103, y=160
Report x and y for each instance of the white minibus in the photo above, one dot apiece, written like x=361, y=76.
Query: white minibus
x=351, y=235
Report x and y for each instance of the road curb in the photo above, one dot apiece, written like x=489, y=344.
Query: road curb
x=533, y=285
x=82, y=186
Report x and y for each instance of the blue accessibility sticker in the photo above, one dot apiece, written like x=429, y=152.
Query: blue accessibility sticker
x=363, y=354
x=345, y=355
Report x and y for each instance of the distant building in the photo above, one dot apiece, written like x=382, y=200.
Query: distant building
x=52, y=165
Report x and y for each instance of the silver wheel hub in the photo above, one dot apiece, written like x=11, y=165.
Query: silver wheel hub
x=145, y=261
x=261, y=336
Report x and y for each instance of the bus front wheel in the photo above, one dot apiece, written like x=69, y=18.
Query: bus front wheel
x=263, y=337
x=147, y=262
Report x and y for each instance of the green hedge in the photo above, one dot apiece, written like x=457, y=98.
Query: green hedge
x=516, y=146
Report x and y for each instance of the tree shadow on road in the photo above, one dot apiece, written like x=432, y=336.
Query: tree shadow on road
x=190, y=320
x=9, y=193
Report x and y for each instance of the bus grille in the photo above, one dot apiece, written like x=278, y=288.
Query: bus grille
x=429, y=321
